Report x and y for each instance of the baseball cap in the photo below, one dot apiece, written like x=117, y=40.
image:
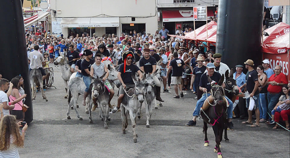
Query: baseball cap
x=210, y=65
x=266, y=61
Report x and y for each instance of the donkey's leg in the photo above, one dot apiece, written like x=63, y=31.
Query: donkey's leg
x=90, y=112
x=88, y=99
x=124, y=119
x=155, y=103
x=75, y=103
x=41, y=87
x=225, y=128
x=148, y=113
x=69, y=105
x=132, y=117
x=206, y=142
x=106, y=115
x=33, y=89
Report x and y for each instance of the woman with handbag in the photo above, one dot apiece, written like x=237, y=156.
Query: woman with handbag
x=22, y=93
x=17, y=111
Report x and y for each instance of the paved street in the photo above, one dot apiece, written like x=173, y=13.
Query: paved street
x=51, y=135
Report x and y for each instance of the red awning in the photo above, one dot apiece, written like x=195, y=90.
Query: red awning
x=180, y=15
x=278, y=40
x=27, y=20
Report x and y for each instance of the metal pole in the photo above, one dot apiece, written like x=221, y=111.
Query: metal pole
x=90, y=32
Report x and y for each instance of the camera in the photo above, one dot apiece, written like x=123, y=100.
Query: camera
x=23, y=123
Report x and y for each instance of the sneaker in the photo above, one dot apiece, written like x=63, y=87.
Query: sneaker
x=166, y=90
x=115, y=110
x=195, y=98
x=262, y=120
x=272, y=122
x=181, y=94
x=191, y=123
x=231, y=125
x=176, y=97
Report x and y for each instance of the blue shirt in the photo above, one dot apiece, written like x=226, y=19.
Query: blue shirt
x=79, y=46
x=240, y=80
x=62, y=46
x=164, y=32
x=193, y=62
x=269, y=72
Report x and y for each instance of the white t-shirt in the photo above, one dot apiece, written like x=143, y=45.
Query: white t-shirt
x=3, y=99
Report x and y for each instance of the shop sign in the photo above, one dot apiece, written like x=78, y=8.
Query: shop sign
x=281, y=59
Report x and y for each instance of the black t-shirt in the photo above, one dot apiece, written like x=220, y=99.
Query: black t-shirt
x=198, y=72
x=251, y=77
x=204, y=80
x=217, y=68
x=127, y=76
x=120, y=61
x=148, y=68
x=267, y=10
x=72, y=55
x=86, y=65
x=136, y=54
x=79, y=63
x=104, y=54
x=156, y=56
x=177, y=67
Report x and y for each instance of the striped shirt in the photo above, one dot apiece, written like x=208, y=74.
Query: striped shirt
x=12, y=152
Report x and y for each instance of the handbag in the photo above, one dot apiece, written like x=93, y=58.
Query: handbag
x=24, y=109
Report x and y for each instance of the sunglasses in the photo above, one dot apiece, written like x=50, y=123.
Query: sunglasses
x=129, y=58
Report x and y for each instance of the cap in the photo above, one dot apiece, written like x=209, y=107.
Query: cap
x=110, y=46
x=266, y=61
x=217, y=55
x=210, y=65
x=240, y=66
x=87, y=52
x=249, y=62
x=195, y=51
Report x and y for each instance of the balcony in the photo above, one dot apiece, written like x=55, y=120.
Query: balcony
x=185, y=3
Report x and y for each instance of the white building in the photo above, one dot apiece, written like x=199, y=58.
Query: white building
x=103, y=16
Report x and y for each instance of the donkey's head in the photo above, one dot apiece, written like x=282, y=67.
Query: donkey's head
x=97, y=87
x=113, y=73
x=217, y=91
x=139, y=88
x=59, y=60
x=149, y=81
x=231, y=86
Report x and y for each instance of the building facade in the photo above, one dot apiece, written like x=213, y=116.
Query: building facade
x=103, y=16
x=174, y=14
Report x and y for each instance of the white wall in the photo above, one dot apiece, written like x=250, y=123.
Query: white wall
x=99, y=31
x=104, y=8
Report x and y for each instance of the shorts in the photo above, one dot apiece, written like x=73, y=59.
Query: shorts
x=256, y=99
x=121, y=89
x=51, y=55
x=17, y=113
x=73, y=66
x=87, y=81
x=108, y=84
x=175, y=80
x=163, y=72
x=42, y=71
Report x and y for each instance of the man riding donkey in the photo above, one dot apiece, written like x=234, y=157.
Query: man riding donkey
x=148, y=65
x=214, y=71
x=72, y=57
x=126, y=71
x=98, y=69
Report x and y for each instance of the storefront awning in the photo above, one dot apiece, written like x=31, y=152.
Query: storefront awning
x=27, y=20
x=35, y=19
x=180, y=15
x=90, y=22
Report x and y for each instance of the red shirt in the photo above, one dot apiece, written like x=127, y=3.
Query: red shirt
x=37, y=33
x=121, y=38
x=167, y=54
x=281, y=78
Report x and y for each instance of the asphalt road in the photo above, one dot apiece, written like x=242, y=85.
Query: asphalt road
x=51, y=135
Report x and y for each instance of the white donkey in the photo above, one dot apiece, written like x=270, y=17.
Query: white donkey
x=65, y=70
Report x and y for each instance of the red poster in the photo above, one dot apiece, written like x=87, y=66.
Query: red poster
x=195, y=13
x=178, y=25
x=281, y=59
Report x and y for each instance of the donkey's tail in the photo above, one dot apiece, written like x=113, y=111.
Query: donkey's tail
x=69, y=96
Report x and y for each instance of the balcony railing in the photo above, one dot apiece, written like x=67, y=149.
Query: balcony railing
x=186, y=3
x=183, y=1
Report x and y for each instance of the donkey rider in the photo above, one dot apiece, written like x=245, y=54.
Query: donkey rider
x=205, y=87
x=126, y=70
x=148, y=65
x=98, y=69
x=36, y=59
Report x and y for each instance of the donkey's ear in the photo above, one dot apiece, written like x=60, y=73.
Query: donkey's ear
x=109, y=67
x=221, y=80
x=227, y=74
x=232, y=73
x=156, y=72
x=209, y=79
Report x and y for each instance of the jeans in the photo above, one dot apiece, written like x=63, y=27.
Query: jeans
x=87, y=81
x=203, y=98
x=273, y=99
x=262, y=106
x=79, y=75
x=277, y=110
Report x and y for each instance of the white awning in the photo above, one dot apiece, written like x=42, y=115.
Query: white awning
x=39, y=17
x=90, y=22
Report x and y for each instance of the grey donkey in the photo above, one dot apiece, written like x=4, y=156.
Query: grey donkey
x=101, y=93
x=131, y=103
x=36, y=76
